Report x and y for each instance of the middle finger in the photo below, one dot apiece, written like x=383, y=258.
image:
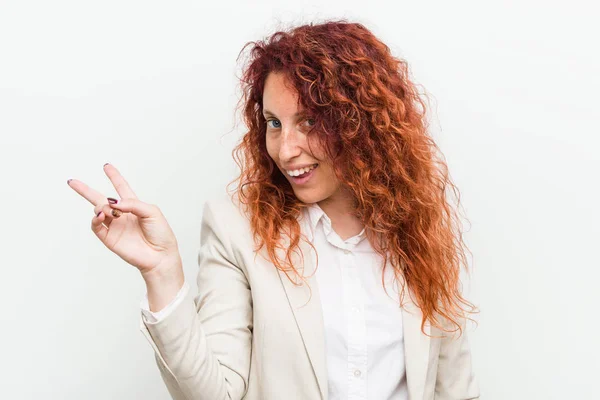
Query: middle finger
x=119, y=182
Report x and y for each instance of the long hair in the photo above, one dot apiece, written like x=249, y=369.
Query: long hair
x=372, y=122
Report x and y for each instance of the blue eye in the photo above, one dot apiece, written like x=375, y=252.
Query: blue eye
x=271, y=121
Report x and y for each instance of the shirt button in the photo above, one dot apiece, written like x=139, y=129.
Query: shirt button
x=355, y=309
x=346, y=251
x=357, y=373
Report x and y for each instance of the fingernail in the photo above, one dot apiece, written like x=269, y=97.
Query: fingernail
x=69, y=181
x=116, y=213
x=105, y=164
x=112, y=201
x=99, y=212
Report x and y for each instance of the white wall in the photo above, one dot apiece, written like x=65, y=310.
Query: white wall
x=150, y=87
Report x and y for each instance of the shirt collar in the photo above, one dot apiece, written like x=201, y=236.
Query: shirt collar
x=316, y=214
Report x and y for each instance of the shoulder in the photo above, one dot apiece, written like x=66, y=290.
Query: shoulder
x=224, y=223
x=225, y=210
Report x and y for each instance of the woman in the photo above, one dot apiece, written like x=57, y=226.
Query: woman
x=303, y=270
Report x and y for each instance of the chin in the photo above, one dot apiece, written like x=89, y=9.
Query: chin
x=309, y=196
x=306, y=196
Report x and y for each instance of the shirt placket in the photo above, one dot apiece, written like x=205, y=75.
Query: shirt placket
x=356, y=326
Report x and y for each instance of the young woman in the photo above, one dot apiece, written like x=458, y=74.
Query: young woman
x=332, y=272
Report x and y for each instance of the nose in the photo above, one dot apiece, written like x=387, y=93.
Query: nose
x=291, y=144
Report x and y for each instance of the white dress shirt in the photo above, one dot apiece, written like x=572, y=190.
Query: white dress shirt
x=363, y=324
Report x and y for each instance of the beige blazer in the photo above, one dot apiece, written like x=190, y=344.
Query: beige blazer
x=252, y=334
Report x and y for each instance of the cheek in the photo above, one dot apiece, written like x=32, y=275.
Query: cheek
x=328, y=174
x=315, y=147
x=272, y=149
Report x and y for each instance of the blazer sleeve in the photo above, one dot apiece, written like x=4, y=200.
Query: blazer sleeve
x=455, y=378
x=202, y=347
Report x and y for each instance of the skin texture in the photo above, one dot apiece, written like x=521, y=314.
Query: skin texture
x=288, y=145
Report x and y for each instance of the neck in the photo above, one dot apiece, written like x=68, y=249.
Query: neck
x=340, y=209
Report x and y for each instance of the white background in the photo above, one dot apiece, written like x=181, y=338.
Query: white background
x=151, y=87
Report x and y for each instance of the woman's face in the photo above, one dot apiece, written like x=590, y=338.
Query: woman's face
x=288, y=145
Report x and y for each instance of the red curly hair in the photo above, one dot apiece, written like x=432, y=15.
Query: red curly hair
x=372, y=122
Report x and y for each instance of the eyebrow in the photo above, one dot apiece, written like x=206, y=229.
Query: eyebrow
x=299, y=113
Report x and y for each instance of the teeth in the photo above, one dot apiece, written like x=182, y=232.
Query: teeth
x=300, y=171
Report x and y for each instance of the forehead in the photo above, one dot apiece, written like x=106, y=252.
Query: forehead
x=279, y=97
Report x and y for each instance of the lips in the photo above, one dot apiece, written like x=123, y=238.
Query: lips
x=288, y=170
x=301, y=180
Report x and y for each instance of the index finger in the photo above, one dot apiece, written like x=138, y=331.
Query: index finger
x=91, y=195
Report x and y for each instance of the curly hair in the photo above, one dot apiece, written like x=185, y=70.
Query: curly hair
x=372, y=122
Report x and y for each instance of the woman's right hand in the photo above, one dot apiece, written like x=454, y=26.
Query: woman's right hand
x=137, y=232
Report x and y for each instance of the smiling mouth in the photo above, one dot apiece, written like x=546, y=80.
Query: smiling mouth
x=303, y=178
x=311, y=167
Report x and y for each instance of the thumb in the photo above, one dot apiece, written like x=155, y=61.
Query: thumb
x=136, y=207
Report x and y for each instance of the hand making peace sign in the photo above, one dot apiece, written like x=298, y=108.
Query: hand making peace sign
x=136, y=231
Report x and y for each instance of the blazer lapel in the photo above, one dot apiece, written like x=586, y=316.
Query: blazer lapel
x=416, y=347
x=308, y=313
